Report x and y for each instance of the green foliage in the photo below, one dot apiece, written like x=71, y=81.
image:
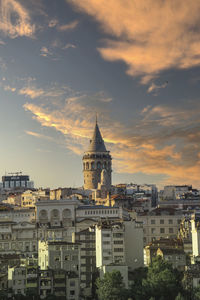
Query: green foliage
x=196, y=293
x=161, y=282
x=111, y=287
x=180, y=297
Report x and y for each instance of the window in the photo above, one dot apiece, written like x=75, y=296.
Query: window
x=178, y=221
x=171, y=230
x=106, y=234
x=67, y=257
x=117, y=235
x=162, y=221
x=57, y=258
x=153, y=230
x=118, y=249
x=118, y=242
x=72, y=283
x=75, y=257
x=170, y=221
x=153, y=221
x=162, y=230
x=106, y=243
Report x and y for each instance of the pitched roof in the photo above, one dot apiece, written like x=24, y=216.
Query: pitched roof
x=97, y=143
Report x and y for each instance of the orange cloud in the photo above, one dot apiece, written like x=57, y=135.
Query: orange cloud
x=21, y=25
x=69, y=26
x=171, y=149
x=149, y=36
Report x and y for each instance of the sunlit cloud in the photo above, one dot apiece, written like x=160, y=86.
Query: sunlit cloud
x=69, y=26
x=67, y=46
x=9, y=88
x=44, y=51
x=15, y=19
x=38, y=135
x=53, y=23
x=153, y=88
x=2, y=43
x=155, y=144
x=34, y=92
x=149, y=36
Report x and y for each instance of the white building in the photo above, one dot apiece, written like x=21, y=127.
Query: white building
x=195, y=224
x=120, y=243
x=63, y=259
x=17, y=279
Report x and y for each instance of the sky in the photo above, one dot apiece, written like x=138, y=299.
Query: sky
x=136, y=63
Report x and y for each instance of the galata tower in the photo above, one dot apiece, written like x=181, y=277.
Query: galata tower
x=96, y=159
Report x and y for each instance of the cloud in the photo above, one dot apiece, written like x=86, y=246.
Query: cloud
x=67, y=46
x=162, y=141
x=39, y=135
x=9, y=88
x=149, y=36
x=155, y=87
x=15, y=20
x=34, y=92
x=45, y=52
x=68, y=27
x=2, y=43
x=53, y=23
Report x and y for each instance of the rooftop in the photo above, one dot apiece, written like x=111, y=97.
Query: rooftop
x=97, y=143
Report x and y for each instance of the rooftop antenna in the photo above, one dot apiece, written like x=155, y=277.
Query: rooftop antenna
x=96, y=118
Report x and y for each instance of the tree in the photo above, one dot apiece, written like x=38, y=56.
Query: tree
x=111, y=287
x=180, y=297
x=196, y=293
x=162, y=282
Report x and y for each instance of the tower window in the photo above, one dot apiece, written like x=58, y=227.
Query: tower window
x=98, y=165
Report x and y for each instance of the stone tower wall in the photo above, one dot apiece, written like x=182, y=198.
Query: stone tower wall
x=93, y=164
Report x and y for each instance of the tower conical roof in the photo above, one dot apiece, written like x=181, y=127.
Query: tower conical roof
x=97, y=143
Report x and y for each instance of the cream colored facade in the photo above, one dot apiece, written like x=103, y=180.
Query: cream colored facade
x=160, y=223
x=195, y=224
x=29, y=198
x=120, y=243
x=18, y=232
x=62, y=256
x=17, y=279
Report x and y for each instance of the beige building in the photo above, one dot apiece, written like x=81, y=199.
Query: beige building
x=60, y=193
x=63, y=258
x=176, y=257
x=118, y=243
x=169, y=249
x=195, y=224
x=95, y=161
x=160, y=223
x=18, y=232
x=29, y=198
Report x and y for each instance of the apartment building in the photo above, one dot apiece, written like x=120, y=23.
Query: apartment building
x=119, y=242
x=195, y=224
x=64, y=259
x=160, y=223
x=88, y=270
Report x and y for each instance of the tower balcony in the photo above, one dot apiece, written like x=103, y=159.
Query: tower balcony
x=97, y=156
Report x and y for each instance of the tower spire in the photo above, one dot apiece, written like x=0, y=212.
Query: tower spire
x=97, y=142
x=96, y=118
